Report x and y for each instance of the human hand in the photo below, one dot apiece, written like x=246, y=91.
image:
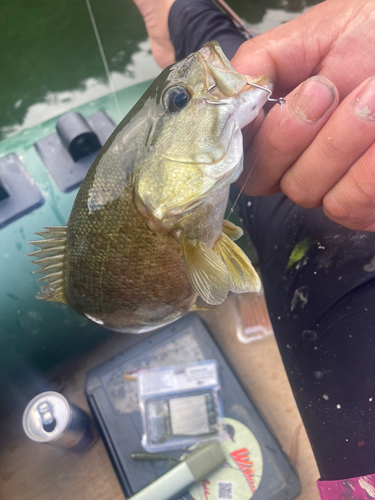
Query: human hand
x=319, y=149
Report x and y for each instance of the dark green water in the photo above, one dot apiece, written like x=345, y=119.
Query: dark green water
x=50, y=61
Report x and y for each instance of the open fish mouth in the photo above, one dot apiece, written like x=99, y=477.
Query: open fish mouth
x=222, y=77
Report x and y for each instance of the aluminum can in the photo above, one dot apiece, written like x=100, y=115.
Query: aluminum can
x=51, y=419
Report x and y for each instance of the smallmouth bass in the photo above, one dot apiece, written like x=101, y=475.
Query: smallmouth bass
x=146, y=233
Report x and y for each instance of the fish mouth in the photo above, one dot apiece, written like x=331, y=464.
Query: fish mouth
x=224, y=80
x=198, y=173
x=225, y=86
x=213, y=54
x=263, y=83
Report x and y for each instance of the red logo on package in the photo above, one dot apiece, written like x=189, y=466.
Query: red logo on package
x=242, y=459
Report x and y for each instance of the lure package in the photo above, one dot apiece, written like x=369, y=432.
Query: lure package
x=180, y=405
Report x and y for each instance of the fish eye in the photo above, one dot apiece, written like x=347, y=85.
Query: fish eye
x=176, y=98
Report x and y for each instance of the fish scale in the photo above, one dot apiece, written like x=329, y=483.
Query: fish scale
x=128, y=275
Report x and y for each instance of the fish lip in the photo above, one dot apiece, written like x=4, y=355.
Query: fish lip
x=211, y=48
x=221, y=63
x=262, y=81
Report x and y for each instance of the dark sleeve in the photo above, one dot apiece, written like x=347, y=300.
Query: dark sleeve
x=192, y=23
x=319, y=283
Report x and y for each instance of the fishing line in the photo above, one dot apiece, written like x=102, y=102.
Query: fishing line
x=281, y=101
x=104, y=59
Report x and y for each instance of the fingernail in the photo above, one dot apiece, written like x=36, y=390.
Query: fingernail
x=364, y=103
x=313, y=99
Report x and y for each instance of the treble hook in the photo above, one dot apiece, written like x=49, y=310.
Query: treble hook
x=280, y=100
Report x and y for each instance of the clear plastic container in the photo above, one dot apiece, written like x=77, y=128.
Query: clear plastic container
x=180, y=405
x=252, y=319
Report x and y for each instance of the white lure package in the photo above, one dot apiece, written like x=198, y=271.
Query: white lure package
x=180, y=405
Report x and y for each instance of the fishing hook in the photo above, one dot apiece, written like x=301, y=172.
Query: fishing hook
x=280, y=100
x=216, y=103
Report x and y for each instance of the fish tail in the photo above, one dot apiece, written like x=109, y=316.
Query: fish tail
x=50, y=258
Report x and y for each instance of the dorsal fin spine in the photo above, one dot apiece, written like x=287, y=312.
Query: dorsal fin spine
x=51, y=261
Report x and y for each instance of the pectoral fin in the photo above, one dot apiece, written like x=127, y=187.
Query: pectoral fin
x=242, y=275
x=205, y=270
x=234, y=232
